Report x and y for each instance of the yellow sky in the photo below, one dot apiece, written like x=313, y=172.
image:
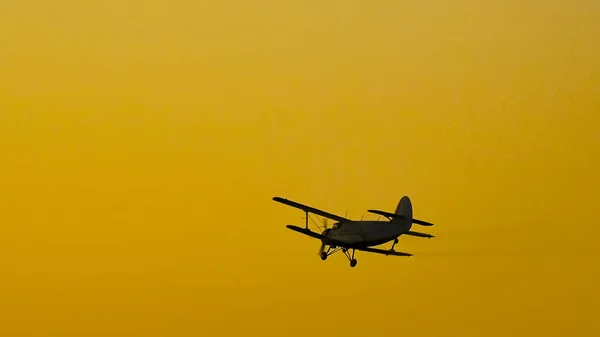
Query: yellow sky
x=142, y=142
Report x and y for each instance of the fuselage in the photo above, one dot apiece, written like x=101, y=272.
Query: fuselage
x=357, y=234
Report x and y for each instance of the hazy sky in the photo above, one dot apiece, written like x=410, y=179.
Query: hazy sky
x=142, y=142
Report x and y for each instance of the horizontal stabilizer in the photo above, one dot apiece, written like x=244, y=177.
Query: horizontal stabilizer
x=422, y=223
x=421, y=235
x=384, y=252
x=385, y=214
x=399, y=216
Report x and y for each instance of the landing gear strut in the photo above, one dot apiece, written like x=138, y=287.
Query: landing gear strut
x=395, y=242
x=351, y=258
x=331, y=251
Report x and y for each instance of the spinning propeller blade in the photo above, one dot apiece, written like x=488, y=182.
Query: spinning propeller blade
x=325, y=227
x=321, y=249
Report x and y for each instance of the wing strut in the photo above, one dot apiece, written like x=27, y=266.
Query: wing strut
x=306, y=224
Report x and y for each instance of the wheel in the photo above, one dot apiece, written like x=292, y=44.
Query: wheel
x=353, y=263
x=323, y=256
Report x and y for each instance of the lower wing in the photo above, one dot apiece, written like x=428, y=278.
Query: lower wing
x=305, y=231
x=328, y=240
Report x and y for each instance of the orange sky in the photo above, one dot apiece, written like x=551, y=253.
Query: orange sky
x=142, y=142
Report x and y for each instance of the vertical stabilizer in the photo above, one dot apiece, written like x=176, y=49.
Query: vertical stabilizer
x=404, y=208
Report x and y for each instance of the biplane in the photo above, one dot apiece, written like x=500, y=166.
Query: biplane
x=350, y=235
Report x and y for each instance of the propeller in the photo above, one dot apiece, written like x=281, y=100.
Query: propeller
x=326, y=227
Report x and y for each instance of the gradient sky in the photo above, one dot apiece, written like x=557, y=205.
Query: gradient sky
x=142, y=142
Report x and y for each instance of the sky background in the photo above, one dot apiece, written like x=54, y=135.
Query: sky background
x=142, y=142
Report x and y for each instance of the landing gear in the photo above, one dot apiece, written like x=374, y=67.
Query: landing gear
x=395, y=242
x=351, y=258
x=332, y=250
x=325, y=254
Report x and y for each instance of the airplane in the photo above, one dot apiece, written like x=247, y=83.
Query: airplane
x=362, y=235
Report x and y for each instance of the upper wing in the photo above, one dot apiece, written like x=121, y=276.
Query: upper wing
x=310, y=209
x=384, y=252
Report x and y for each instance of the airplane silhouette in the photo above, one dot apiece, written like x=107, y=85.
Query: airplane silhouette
x=347, y=234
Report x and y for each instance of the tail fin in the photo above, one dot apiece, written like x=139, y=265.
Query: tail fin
x=404, y=208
